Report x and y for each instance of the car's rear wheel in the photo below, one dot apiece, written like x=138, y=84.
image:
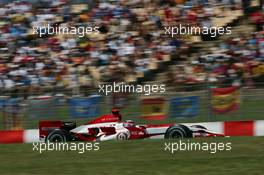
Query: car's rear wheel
x=56, y=136
x=177, y=132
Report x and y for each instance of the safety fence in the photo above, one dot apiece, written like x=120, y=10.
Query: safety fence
x=211, y=104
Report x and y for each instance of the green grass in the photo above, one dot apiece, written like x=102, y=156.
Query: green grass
x=145, y=157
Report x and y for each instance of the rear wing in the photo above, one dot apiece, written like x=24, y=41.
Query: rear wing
x=45, y=127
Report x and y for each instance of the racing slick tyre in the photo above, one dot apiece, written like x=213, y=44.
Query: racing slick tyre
x=177, y=132
x=56, y=136
x=122, y=136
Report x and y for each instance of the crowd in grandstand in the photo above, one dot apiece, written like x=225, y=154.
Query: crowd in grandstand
x=131, y=38
x=235, y=61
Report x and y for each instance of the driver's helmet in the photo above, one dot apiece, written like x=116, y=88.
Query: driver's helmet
x=115, y=111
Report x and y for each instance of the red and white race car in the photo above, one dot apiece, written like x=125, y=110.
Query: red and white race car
x=110, y=127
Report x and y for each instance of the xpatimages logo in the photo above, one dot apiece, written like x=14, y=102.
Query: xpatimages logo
x=183, y=145
x=80, y=147
x=106, y=89
x=62, y=30
x=174, y=31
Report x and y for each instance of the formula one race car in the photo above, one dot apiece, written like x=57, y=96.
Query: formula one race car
x=110, y=127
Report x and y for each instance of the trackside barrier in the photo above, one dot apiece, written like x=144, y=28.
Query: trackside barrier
x=231, y=128
x=235, y=128
x=19, y=136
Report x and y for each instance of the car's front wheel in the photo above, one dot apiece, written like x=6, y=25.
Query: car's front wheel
x=178, y=132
